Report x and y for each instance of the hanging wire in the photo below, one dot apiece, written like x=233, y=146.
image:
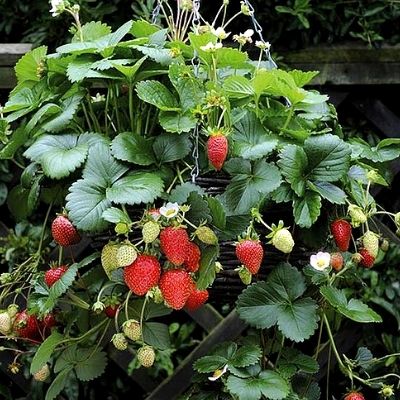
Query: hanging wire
x=156, y=12
x=196, y=69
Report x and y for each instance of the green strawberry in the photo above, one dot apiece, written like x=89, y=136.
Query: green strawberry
x=126, y=254
x=283, y=240
x=245, y=275
x=119, y=341
x=109, y=258
x=357, y=215
x=206, y=235
x=131, y=329
x=42, y=374
x=146, y=356
x=370, y=242
x=150, y=231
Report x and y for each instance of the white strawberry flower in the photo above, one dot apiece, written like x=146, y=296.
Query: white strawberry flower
x=57, y=7
x=320, y=261
x=263, y=45
x=245, y=37
x=170, y=210
x=218, y=373
x=98, y=98
x=220, y=33
x=210, y=47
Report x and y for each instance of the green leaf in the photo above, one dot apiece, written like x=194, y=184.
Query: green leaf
x=157, y=335
x=154, y=92
x=87, y=199
x=218, y=213
x=79, y=68
x=250, y=184
x=143, y=28
x=278, y=301
x=328, y=158
x=3, y=193
x=133, y=148
x=181, y=192
x=190, y=89
x=293, y=163
x=22, y=202
x=307, y=209
x=177, y=122
x=229, y=57
x=386, y=150
x=246, y=355
x=161, y=56
x=59, y=155
x=45, y=351
x=140, y=187
x=115, y=215
x=91, y=364
x=199, y=211
x=267, y=383
x=26, y=68
x=250, y=139
x=207, y=267
x=19, y=138
x=209, y=364
x=69, y=107
x=238, y=87
x=303, y=78
x=329, y=192
x=354, y=309
x=170, y=147
x=58, y=384
x=129, y=71
x=301, y=362
x=91, y=31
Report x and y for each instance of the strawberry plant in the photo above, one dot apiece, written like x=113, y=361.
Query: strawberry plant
x=114, y=130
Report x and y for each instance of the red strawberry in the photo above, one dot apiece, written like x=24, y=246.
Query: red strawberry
x=176, y=285
x=250, y=253
x=174, y=242
x=111, y=310
x=196, y=299
x=52, y=275
x=192, y=258
x=354, y=396
x=26, y=326
x=142, y=274
x=217, y=150
x=367, y=260
x=337, y=261
x=341, y=231
x=64, y=233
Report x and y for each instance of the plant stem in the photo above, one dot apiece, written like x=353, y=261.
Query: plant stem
x=142, y=315
x=332, y=340
x=288, y=119
x=131, y=106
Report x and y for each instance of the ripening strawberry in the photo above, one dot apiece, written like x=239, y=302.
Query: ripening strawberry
x=192, y=258
x=176, y=285
x=337, y=261
x=111, y=310
x=63, y=232
x=354, y=396
x=250, y=253
x=173, y=242
x=341, y=231
x=370, y=242
x=196, y=299
x=367, y=260
x=26, y=326
x=142, y=274
x=47, y=323
x=217, y=150
x=53, y=274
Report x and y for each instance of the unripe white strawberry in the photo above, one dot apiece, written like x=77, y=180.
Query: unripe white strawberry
x=283, y=240
x=42, y=374
x=131, y=329
x=146, y=356
x=126, y=255
x=5, y=323
x=357, y=215
x=119, y=341
x=150, y=231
